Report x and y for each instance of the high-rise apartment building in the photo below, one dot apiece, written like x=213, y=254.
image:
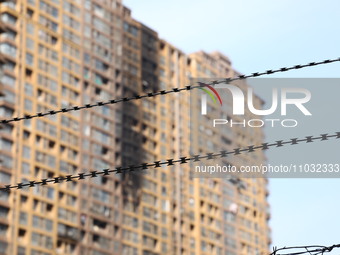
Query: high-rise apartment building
x=242, y=211
x=99, y=200
x=56, y=53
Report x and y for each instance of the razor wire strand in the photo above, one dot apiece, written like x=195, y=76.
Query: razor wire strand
x=300, y=250
x=169, y=162
x=164, y=92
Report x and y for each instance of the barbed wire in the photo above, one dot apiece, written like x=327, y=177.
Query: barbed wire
x=164, y=92
x=295, y=250
x=170, y=162
x=299, y=250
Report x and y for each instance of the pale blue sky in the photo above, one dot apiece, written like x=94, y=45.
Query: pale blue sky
x=258, y=35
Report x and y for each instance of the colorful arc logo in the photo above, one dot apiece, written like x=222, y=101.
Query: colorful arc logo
x=213, y=95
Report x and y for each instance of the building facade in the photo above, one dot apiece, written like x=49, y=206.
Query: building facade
x=58, y=53
x=239, y=208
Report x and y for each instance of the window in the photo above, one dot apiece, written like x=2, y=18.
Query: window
x=42, y=223
x=130, y=236
x=48, y=23
x=50, y=193
x=203, y=246
x=130, y=221
x=3, y=229
x=46, y=97
x=48, y=53
x=29, y=59
x=164, y=191
x=47, y=67
x=46, y=37
x=8, y=49
x=70, y=79
x=69, y=21
x=101, y=65
x=101, y=12
x=30, y=28
x=102, y=39
x=105, y=110
x=7, y=129
x=23, y=218
x=45, y=158
x=101, y=136
x=229, y=217
x=6, y=112
x=69, y=7
x=5, y=177
x=28, y=89
x=46, y=82
x=71, y=200
x=99, y=164
x=8, y=80
x=41, y=240
x=26, y=152
x=70, y=50
x=130, y=29
x=101, y=195
x=100, y=80
x=21, y=250
x=5, y=145
x=6, y=161
x=87, y=31
x=67, y=215
x=71, y=65
x=87, y=15
x=25, y=168
x=150, y=227
x=162, y=60
x=9, y=65
x=162, y=72
x=8, y=18
x=101, y=26
x=71, y=36
x=128, y=250
x=29, y=44
x=101, y=122
x=48, y=9
x=87, y=4
x=67, y=167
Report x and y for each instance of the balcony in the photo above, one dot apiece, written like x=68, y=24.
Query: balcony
x=6, y=97
x=7, y=35
x=9, y=8
x=6, y=161
x=68, y=232
x=7, y=51
x=7, y=21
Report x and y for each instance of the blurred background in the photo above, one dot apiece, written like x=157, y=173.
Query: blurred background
x=58, y=53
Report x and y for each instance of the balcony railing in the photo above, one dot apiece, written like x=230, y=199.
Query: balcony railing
x=8, y=50
x=7, y=96
x=8, y=19
x=7, y=36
